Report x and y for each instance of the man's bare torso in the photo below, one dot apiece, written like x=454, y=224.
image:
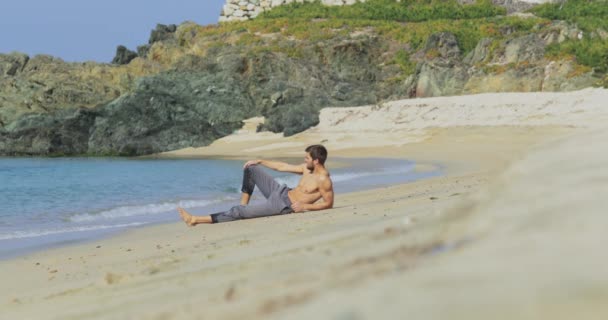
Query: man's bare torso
x=307, y=190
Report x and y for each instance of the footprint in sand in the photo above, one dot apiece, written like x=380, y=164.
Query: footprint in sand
x=112, y=278
x=230, y=293
x=153, y=270
x=163, y=266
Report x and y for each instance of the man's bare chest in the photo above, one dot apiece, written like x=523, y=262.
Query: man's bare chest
x=308, y=184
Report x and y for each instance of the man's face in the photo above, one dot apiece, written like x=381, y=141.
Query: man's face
x=310, y=164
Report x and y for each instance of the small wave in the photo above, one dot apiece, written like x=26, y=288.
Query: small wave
x=233, y=189
x=34, y=234
x=148, y=209
x=292, y=181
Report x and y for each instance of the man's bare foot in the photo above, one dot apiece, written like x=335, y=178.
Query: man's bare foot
x=188, y=218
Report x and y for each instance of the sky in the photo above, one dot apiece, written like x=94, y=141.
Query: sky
x=90, y=30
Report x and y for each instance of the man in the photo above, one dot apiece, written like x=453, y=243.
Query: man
x=315, y=184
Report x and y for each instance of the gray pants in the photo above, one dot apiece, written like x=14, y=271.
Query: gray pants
x=277, y=201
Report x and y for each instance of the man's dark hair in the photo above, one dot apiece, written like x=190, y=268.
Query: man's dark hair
x=317, y=152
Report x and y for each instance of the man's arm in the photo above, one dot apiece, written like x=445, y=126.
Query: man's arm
x=277, y=165
x=327, y=194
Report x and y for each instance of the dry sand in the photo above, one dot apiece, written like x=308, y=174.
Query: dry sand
x=514, y=230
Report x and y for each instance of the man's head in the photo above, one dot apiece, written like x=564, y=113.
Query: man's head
x=315, y=154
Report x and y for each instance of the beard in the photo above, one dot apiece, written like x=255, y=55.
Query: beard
x=310, y=166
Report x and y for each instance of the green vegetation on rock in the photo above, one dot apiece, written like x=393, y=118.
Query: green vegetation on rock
x=587, y=14
x=387, y=10
x=591, y=16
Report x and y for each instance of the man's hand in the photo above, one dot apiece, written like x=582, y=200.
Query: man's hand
x=251, y=163
x=297, y=207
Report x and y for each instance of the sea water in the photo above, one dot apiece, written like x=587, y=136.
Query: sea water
x=47, y=202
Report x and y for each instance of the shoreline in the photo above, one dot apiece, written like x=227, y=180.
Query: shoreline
x=22, y=247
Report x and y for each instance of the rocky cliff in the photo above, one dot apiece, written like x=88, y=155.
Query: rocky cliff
x=192, y=84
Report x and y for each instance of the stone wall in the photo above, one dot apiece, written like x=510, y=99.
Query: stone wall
x=248, y=9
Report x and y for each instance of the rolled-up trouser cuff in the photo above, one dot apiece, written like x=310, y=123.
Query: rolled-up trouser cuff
x=214, y=217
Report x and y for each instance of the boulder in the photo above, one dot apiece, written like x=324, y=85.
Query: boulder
x=162, y=32
x=438, y=79
x=123, y=55
x=65, y=133
x=442, y=45
x=525, y=48
x=564, y=76
x=11, y=64
x=480, y=53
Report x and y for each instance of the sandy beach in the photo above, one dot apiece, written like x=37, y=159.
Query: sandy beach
x=513, y=230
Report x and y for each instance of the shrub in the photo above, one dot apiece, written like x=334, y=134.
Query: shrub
x=587, y=14
x=588, y=52
x=387, y=10
x=402, y=58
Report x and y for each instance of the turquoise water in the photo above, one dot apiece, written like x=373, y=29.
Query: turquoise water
x=48, y=202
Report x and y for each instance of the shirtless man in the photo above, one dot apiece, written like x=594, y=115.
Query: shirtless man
x=315, y=184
